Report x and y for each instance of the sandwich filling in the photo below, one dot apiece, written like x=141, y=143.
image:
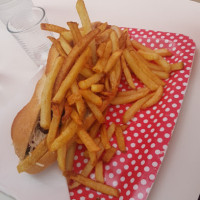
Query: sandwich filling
x=37, y=136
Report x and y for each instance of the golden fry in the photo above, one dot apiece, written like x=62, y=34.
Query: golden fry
x=61, y=157
x=177, y=66
x=135, y=108
x=65, y=45
x=96, y=111
x=58, y=46
x=163, y=52
x=80, y=105
x=65, y=136
x=52, y=27
x=72, y=57
x=72, y=75
x=112, y=60
x=108, y=155
x=132, y=62
x=97, y=87
x=88, y=141
x=128, y=99
x=90, y=96
x=127, y=73
x=154, y=99
x=148, y=55
x=103, y=188
x=57, y=112
x=104, y=137
x=99, y=172
x=95, y=78
x=45, y=113
x=120, y=138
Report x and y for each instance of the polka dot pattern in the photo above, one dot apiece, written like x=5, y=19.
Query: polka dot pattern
x=149, y=132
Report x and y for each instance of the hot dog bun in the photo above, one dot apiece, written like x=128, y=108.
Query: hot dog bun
x=26, y=121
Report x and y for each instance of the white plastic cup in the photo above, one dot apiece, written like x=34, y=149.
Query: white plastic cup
x=25, y=27
x=11, y=7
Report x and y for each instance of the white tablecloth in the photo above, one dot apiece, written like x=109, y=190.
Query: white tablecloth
x=179, y=176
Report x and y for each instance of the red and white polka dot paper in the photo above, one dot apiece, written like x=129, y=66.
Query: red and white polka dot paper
x=149, y=132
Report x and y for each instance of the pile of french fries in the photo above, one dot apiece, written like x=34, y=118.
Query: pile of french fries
x=81, y=85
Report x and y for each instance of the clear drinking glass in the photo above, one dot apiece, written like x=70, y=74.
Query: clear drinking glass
x=11, y=7
x=25, y=27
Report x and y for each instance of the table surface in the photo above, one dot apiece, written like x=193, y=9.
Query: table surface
x=179, y=175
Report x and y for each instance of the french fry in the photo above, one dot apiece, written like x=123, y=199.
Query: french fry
x=100, y=187
x=103, y=36
x=146, y=70
x=45, y=113
x=57, y=112
x=90, y=96
x=67, y=112
x=65, y=136
x=112, y=60
x=87, y=26
x=120, y=138
x=107, y=83
x=154, y=99
x=65, y=45
x=97, y=88
x=122, y=40
x=152, y=65
x=93, y=157
x=133, y=64
x=94, y=129
x=75, y=31
x=96, y=111
x=73, y=98
x=80, y=105
x=115, y=41
x=52, y=55
x=160, y=74
x=70, y=157
x=88, y=141
x=61, y=157
x=163, y=63
x=72, y=75
x=32, y=158
x=137, y=45
x=73, y=55
x=99, y=172
x=58, y=46
x=101, y=63
x=124, y=127
x=127, y=73
x=102, y=26
x=88, y=168
x=101, y=49
x=128, y=99
x=75, y=116
x=67, y=35
x=160, y=61
x=177, y=66
x=52, y=27
x=104, y=137
x=86, y=72
x=117, y=30
x=95, y=78
x=111, y=130
x=148, y=55
x=163, y=52
x=135, y=108
x=108, y=155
